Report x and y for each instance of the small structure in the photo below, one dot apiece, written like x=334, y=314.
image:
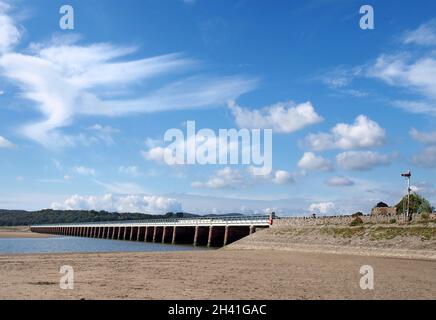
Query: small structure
x=383, y=211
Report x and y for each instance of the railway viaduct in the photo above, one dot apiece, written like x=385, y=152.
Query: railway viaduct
x=211, y=232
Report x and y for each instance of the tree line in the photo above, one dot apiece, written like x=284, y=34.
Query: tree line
x=48, y=216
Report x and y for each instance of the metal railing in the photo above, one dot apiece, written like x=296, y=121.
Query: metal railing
x=172, y=221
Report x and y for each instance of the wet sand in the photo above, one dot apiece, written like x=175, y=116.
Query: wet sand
x=221, y=274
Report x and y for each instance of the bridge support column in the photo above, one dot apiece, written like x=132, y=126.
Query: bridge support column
x=216, y=236
x=145, y=233
x=201, y=236
x=109, y=232
x=154, y=234
x=226, y=235
x=157, y=234
x=168, y=234
x=173, y=240
x=141, y=234
x=252, y=229
x=209, y=238
x=134, y=234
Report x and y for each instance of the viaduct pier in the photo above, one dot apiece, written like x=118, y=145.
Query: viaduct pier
x=202, y=231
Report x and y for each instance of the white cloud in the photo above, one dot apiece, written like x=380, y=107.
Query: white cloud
x=364, y=133
x=426, y=158
x=64, y=80
x=121, y=203
x=425, y=35
x=361, y=160
x=423, y=137
x=277, y=177
x=129, y=171
x=9, y=32
x=282, y=177
x=5, y=143
x=224, y=178
x=311, y=161
x=84, y=171
x=233, y=178
x=322, y=207
x=155, y=154
x=340, y=181
x=156, y=151
x=281, y=117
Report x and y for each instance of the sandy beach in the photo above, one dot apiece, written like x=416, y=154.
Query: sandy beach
x=221, y=274
x=19, y=232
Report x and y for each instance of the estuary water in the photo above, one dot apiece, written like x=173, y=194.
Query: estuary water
x=80, y=245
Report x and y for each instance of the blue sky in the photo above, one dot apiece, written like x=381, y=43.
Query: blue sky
x=83, y=112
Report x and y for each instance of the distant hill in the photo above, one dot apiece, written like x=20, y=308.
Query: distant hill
x=25, y=218
x=48, y=216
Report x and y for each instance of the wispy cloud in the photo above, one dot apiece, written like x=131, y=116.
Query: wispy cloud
x=121, y=187
x=361, y=160
x=424, y=35
x=64, y=79
x=340, y=181
x=9, y=33
x=84, y=171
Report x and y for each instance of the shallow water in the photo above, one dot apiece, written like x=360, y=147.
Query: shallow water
x=79, y=245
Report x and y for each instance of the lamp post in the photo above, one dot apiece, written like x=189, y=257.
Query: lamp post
x=407, y=176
